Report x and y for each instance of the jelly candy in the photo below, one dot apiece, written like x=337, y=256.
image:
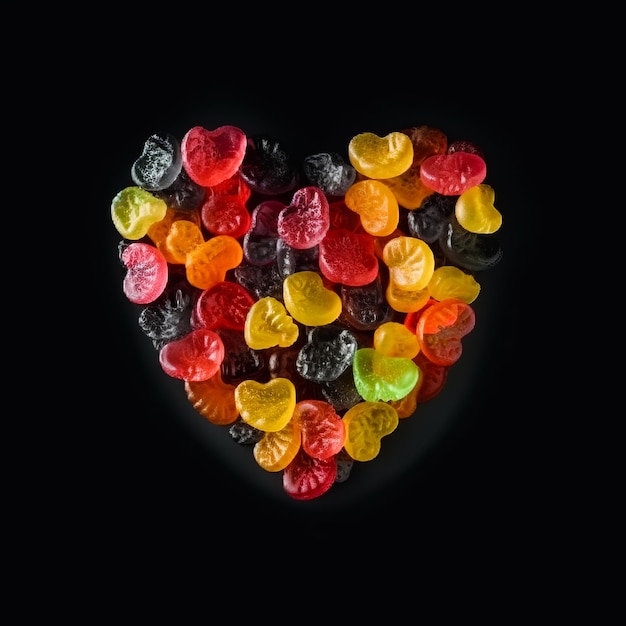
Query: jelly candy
x=475, y=211
x=452, y=174
x=322, y=429
x=306, y=478
x=275, y=450
x=267, y=167
x=429, y=222
x=259, y=243
x=410, y=261
x=381, y=377
x=376, y=206
x=224, y=211
x=329, y=172
x=146, y=275
x=159, y=164
x=348, y=258
x=267, y=406
x=167, y=321
x=268, y=324
x=183, y=194
x=380, y=157
x=213, y=399
x=208, y=263
x=440, y=329
x=327, y=353
x=224, y=305
x=195, y=357
x=240, y=360
x=364, y=307
x=395, y=339
x=471, y=251
x=366, y=424
x=309, y=301
x=448, y=281
x=134, y=210
x=305, y=221
x=212, y=156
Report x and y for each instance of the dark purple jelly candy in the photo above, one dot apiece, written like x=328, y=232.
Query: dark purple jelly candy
x=365, y=307
x=240, y=361
x=330, y=172
x=259, y=280
x=259, y=243
x=243, y=434
x=342, y=392
x=464, y=145
x=290, y=260
x=183, y=194
x=470, y=251
x=327, y=353
x=159, y=164
x=169, y=320
x=344, y=466
x=430, y=219
x=267, y=167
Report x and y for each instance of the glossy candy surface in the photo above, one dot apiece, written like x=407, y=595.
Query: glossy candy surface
x=307, y=308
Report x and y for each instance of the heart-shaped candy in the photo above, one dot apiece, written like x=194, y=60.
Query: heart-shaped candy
x=266, y=406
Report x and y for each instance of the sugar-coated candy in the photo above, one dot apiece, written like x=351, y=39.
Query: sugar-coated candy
x=327, y=353
x=475, y=210
x=306, y=477
x=159, y=164
x=330, y=172
x=212, y=156
x=196, y=357
x=307, y=307
x=134, y=210
x=223, y=305
x=268, y=324
x=381, y=157
x=309, y=301
x=167, y=321
x=323, y=432
x=376, y=206
x=366, y=424
x=267, y=406
x=348, y=258
x=305, y=221
x=259, y=243
x=452, y=174
x=146, y=272
x=267, y=167
x=380, y=377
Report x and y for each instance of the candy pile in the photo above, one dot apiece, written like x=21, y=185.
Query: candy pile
x=310, y=306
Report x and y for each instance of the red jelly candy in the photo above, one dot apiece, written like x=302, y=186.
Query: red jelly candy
x=195, y=357
x=212, y=156
x=147, y=273
x=305, y=222
x=348, y=258
x=306, y=478
x=452, y=174
x=224, y=305
x=224, y=211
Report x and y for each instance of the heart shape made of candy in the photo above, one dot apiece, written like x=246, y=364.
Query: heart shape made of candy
x=308, y=309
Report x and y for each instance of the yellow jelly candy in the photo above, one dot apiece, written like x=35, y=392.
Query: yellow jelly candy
x=268, y=324
x=376, y=205
x=395, y=339
x=475, y=210
x=308, y=301
x=134, y=210
x=406, y=300
x=266, y=406
x=381, y=157
x=411, y=262
x=448, y=281
x=277, y=449
x=366, y=423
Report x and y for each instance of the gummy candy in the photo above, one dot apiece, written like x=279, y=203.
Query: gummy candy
x=307, y=308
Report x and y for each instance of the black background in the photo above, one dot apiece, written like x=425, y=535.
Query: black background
x=468, y=467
